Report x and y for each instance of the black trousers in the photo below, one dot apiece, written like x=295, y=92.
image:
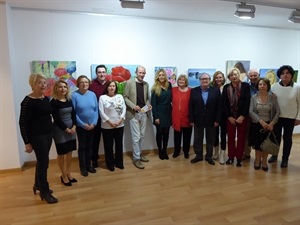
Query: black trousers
x=287, y=125
x=96, y=141
x=162, y=137
x=41, y=145
x=113, y=137
x=185, y=134
x=198, y=141
x=221, y=131
x=85, y=142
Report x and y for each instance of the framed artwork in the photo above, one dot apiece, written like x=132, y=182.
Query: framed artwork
x=55, y=70
x=195, y=73
x=270, y=74
x=242, y=65
x=117, y=72
x=295, y=77
x=171, y=73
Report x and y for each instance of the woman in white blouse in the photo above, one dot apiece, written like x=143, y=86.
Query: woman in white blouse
x=112, y=111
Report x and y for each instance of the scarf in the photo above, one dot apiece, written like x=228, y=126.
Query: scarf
x=233, y=96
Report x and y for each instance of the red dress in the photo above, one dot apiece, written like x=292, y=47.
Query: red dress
x=180, y=108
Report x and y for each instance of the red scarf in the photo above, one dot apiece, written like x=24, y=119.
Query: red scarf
x=234, y=94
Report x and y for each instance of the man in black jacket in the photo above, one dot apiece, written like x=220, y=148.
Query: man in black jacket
x=205, y=115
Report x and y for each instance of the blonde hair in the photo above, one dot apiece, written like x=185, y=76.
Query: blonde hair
x=231, y=72
x=185, y=79
x=33, y=78
x=156, y=88
x=55, y=89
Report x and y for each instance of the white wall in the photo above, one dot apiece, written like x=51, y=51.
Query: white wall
x=90, y=39
x=9, y=151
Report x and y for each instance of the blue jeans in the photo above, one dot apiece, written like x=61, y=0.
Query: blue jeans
x=137, y=128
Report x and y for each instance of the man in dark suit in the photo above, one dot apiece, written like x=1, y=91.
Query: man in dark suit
x=205, y=115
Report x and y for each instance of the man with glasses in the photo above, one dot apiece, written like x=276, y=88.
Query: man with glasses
x=98, y=87
x=205, y=115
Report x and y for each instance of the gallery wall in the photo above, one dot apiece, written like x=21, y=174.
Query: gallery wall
x=91, y=39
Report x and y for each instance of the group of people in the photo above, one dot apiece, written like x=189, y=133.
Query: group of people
x=236, y=111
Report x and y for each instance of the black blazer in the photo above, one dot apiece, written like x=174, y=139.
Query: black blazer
x=205, y=115
x=243, y=103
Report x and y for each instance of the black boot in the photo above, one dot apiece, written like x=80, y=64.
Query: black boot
x=160, y=154
x=165, y=154
x=49, y=198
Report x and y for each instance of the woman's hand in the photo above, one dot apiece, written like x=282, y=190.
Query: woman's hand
x=264, y=124
x=231, y=120
x=28, y=148
x=240, y=119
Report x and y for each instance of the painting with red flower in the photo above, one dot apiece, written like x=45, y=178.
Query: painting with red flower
x=171, y=73
x=55, y=70
x=117, y=72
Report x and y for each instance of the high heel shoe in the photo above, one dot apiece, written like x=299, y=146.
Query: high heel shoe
x=257, y=167
x=49, y=198
x=65, y=183
x=36, y=188
x=73, y=180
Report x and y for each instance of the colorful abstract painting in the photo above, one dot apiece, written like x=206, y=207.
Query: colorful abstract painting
x=171, y=73
x=270, y=74
x=55, y=70
x=195, y=73
x=117, y=72
x=242, y=65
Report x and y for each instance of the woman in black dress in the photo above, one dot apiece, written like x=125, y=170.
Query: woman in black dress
x=64, y=129
x=36, y=130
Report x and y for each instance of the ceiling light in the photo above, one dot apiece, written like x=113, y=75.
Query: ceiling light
x=295, y=17
x=245, y=11
x=133, y=4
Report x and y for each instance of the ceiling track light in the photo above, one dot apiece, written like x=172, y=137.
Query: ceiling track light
x=132, y=4
x=245, y=11
x=294, y=17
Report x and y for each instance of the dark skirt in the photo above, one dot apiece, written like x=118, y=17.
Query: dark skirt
x=257, y=135
x=64, y=148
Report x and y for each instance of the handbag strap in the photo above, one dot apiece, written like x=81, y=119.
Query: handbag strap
x=275, y=140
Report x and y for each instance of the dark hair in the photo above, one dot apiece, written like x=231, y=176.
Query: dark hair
x=285, y=67
x=108, y=83
x=100, y=66
x=266, y=80
x=240, y=66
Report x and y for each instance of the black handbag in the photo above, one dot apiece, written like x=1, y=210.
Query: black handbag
x=269, y=146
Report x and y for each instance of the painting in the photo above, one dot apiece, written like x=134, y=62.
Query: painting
x=295, y=77
x=242, y=65
x=270, y=74
x=194, y=74
x=55, y=70
x=171, y=73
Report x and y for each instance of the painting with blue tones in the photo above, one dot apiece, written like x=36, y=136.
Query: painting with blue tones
x=194, y=74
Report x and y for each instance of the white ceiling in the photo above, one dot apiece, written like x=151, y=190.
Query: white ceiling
x=269, y=13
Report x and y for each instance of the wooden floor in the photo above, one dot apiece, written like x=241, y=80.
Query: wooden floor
x=165, y=192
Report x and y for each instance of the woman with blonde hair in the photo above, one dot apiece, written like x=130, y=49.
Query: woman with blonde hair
x=36, y=130
x=236, y=99
x=64, y=129
x=161, y=97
